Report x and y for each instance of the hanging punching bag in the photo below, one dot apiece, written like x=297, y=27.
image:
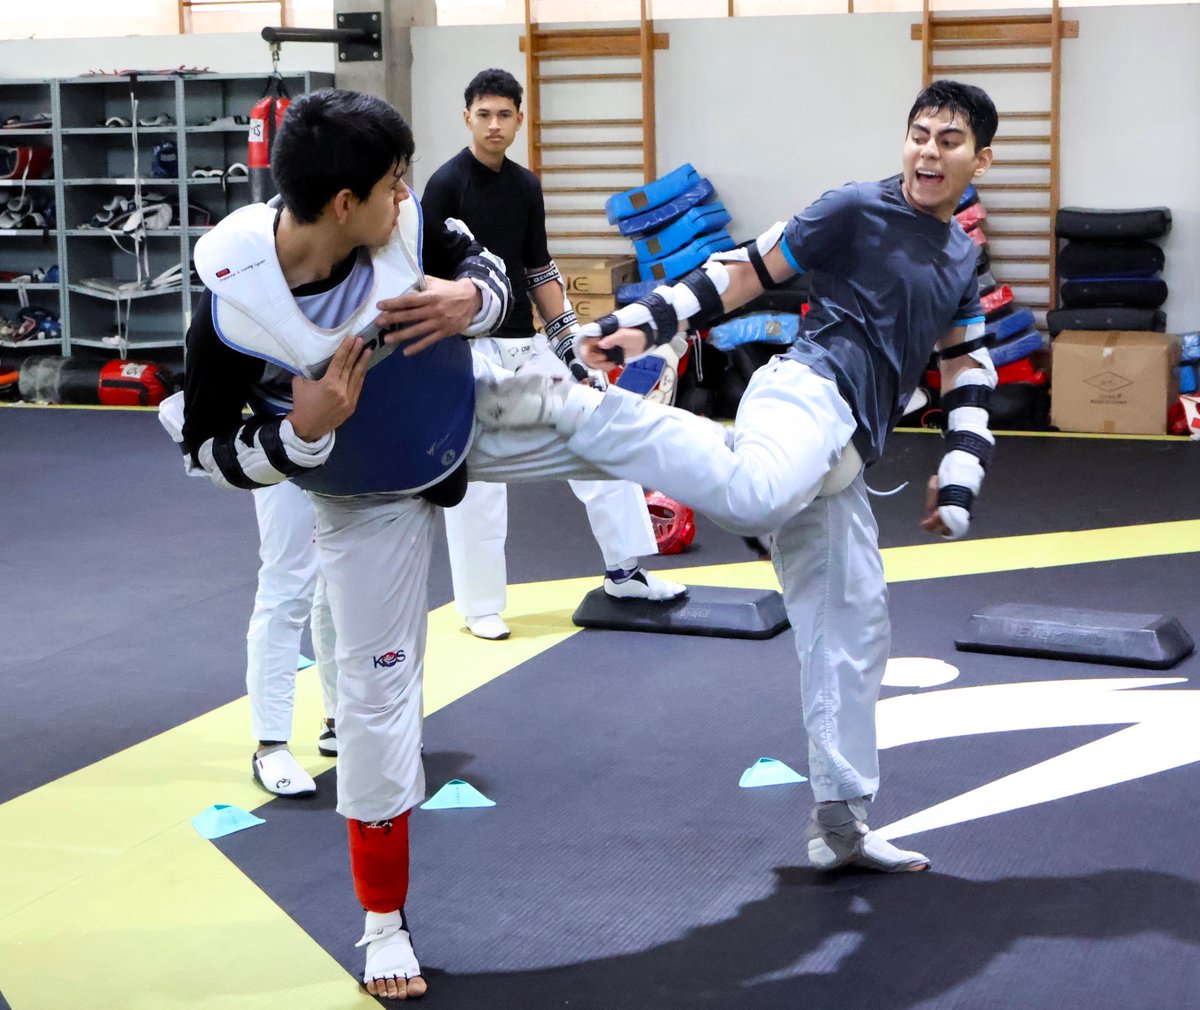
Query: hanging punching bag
x=265, y=119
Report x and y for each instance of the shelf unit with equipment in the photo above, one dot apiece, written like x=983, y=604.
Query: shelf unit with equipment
x=126, y=206
x=30, y=243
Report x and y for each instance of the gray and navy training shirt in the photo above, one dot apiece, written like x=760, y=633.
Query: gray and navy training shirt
x=888, y=282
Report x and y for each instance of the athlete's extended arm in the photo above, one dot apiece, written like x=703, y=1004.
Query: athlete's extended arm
x=968, y=377
x=443, y=309
x=473, y=302
x=725, y=282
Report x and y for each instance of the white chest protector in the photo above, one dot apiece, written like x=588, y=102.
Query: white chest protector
x=413, y=423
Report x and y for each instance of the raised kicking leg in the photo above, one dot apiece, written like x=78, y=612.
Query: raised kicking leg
x=790, y=433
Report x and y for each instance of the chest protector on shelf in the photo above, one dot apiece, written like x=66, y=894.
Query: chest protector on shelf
x=414, y=419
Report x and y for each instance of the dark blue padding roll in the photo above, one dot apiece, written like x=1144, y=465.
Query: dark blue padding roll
x=1110, y=259
x=1092, y=225
x=1018, y=347
x=1015, y=322
x=672, y=210
x=653, y=194
x=695, y=222
x=1097, y=292
x=671, y=267
x=1106, y=319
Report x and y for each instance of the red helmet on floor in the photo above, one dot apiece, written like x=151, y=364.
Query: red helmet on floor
x=674, y=524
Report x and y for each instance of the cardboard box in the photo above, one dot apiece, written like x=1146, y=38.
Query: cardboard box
x=1118, y=381
x=592, y=307
x=596, y=276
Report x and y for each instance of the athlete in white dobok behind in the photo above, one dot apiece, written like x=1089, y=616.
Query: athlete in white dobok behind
x=893, y=278
x=501, y=203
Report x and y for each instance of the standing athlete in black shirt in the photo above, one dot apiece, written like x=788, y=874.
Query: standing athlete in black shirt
x=501, y=204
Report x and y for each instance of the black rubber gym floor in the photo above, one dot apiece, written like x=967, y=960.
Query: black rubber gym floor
x=622, y=867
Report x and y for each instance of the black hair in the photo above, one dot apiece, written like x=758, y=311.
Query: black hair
x=332, y=140
x=972, y=103
x=493, y=82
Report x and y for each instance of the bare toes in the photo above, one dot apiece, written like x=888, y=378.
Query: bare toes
x=387, y=988
x=416, y=987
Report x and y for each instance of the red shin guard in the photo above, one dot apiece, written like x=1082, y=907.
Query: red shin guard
x=379, y=862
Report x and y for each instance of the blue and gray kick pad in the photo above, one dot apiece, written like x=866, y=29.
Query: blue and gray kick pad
x=672, y=210
x=1018, y=347
x=1017, y=321
x=1089, y=636
x=688, y=258
x=710, y=611
x=696, y=222
x=653, y=194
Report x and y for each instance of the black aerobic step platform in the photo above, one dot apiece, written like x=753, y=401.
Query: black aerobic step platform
x=713, y=611
x=1088, y=636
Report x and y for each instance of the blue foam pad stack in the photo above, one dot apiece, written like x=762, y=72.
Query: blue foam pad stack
x=675, y=224
x=688, y=258
x=653, y=194
x=649, y=222
x=682, y=232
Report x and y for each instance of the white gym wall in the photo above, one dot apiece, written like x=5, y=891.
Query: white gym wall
x=776, y=110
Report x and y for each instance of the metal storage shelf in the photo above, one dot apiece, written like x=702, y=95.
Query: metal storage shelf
x=89, y=158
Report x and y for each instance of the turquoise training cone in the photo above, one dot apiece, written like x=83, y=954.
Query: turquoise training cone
x=223, y=819
x=769, y=772
x=454, y=794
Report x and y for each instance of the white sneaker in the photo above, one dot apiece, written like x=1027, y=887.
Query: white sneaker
x=526, y=400
x=641, y=585
x=327, y=742
x=489, y=626
x=278, y=772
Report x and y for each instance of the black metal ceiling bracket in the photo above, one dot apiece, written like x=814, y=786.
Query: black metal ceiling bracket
x=359, y=36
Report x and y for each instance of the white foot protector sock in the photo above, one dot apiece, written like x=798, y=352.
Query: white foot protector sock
x=580, y=404
x=526, y=400
x=843, y=839
x=389, y=948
